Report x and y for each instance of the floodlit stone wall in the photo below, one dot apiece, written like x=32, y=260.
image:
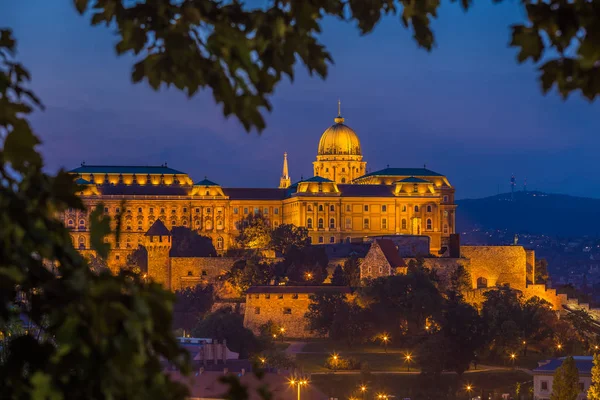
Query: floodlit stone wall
x=286, y=310
x=496, y=265
x=191, y=271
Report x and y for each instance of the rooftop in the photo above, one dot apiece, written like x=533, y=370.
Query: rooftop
x=412, y=172
x=389, y=250
x=126, y=169
x=206, y=182
x=299, y=289
x=255, y=193
x=584, y=365
x=158, y=229
x=413, y=179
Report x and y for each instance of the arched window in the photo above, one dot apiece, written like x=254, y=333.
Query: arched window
x=332, y=223
x=70, y=222
x=481, y=282
x=384, y=208
x=208, y=225
x=416, y=209
x=429, y=224
x=320, y=207
x=198, y=223
x=332, y=208
x=321, y=240
x=403, y=224
x=320, y=223
x=415, y=188
x=220, y=224
x=428, y=209
x=219, y=243
x=128, y=243
x=445, y=228
x=309, y=224
x=184, y=223
x=309, y=207
x=404, y=208
x=343, y=180
x=332, y=239
x=81, y=242
x=82, y=223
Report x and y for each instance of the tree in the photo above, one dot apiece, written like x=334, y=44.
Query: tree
x=255, y=232
x=97, y=264
x=339, y=278
x=287, y=235
x=304, y=265
x=502, y=313
x=191, y=304
x=241, y=53
x=92, y=335
x=322, y=310
x=225, y=324
x=138, y=261
x=352, y=271
x=565, y=385
x=188, y=243
x=460, y=280
x=594, y=389
x=541, y=271
x=246, y=273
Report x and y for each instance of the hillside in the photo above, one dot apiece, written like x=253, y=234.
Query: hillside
x=531, y=212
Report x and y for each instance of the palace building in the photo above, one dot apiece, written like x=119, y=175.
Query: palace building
x=341, y=202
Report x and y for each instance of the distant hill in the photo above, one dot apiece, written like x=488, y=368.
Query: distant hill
x=531, y=212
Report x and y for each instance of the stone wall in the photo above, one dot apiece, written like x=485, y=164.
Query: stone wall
x=281, y=308
x=375, y=264
x=498, y=265
x=191, y=271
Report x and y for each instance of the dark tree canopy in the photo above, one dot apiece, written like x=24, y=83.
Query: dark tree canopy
x=187, y=243
x=250, y=272
x=190, y=305
x=352, y=270
x=255, y=232
x=138, y=261
x=286, y=236
x=304, y=265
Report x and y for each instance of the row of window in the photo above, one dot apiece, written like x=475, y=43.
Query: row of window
x=285, y=310
x=81, y=243
x=279, y=296
x=207, y=210
x=367, y=223
x=257, y=210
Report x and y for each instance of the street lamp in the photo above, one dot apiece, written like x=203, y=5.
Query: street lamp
x=299, y=383
x=363, y=390
x=469, y=389
x=385, y=339
x=408, y=358
x=513, y=357
x=335, y=359
x=282, y=330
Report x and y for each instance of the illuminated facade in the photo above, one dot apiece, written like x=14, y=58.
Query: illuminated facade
x=340, y=202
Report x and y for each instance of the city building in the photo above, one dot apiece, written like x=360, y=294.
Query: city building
x=339, y=203
x=543, y=376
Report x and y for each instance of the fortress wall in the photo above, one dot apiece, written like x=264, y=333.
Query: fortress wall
x=498, y=264
x=530, y=255
x=260, y=310
x=191, y=271
x=542, y=292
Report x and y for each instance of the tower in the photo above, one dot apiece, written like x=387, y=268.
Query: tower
x=285, y=181
x=158, y=243
x=339, y=157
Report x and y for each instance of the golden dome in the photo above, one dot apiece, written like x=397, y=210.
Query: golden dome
x=339, y=139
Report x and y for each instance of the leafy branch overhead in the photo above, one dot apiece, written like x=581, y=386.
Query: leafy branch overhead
x=241, y=53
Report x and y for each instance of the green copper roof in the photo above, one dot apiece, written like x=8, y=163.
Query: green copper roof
x=206, y=182
x=81, y=181
x=123, y=169
x=403, y=172
x=319, y=179
x=412, y=179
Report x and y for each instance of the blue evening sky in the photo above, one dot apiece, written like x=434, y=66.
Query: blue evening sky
x=466, y=109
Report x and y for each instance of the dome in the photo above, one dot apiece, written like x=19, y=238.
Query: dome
x=339, y=139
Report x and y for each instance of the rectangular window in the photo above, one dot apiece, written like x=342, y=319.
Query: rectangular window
x=383, y=223
x=366, y=208
x=245, y=210
x=151, y=210
x=332, y=239
x=184, y=209
x=404, y=208
x=105, y=209
x=236, y=210
x=321, y=240
x=266, y=211
x=384, y=208
x=544, y=385
x=256, y=310
x=256, y=210
x=267, y=296
x=197, y=210
x=276, y=210
x=348, y=223
x=208, y=210
x=332, y=208
x=117, y=210
x=287, y=311
x=204, y=273
x=140, y=209
x=445, y=199
x=366, y=223
x=162, y=210
x=348, y=208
